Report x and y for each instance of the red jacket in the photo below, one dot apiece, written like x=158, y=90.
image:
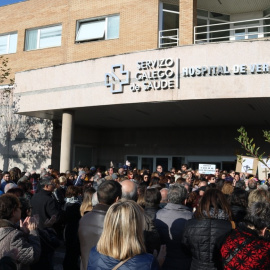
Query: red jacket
x=244, y=249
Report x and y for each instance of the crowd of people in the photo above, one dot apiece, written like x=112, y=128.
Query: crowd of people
x=134, y=219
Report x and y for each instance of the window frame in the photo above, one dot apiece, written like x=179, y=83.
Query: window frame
x=8, y=41
x=38, y=37
x=101, y=18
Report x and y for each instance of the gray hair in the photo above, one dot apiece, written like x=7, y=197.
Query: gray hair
x=177, y=194
x=46, y=180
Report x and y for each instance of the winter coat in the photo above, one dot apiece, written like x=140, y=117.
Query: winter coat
x=72, y=218
x=90, y=229
x=204, y=238
x=143, y=261
x=28, y=245
x=170, y=223
x=45, y=206
x=255, y=254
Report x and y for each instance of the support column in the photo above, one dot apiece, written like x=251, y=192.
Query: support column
x=187, y=21
x=66, y=140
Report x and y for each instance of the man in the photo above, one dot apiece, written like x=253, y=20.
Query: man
x=170, y=223
x=160, y=170
x=91, y=224
x=129, y=190
x=43, y=203
x=164, y=197
x=252, y=184
x=5, y=180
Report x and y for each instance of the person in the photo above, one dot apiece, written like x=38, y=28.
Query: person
x=151, y=236
x=72, y=217
x=25, y=238
x=91, y=224
x=43, y=203
x=164, y=197
x=87, y=205
x=170, y=222
x=247, y=247
x=127, y=235
x=238, y=201
x=203, y=235
x=160, y=170
x=152, y=198
x=5, y=180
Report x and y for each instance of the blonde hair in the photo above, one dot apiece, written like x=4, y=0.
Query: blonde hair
x=122, y=236
x=87, y=201
x=62, y=179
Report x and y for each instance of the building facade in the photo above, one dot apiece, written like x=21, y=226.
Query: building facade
x=152, y=82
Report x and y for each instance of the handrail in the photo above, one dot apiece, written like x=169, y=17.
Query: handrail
x=259, y=24
x=169, y=39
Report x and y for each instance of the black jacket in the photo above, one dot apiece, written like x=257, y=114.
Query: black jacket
x=170, y=223
x=90, y=229
x=204, y=238
x=45, y=206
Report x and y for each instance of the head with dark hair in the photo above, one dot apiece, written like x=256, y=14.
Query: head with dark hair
x=73, y=191
x=108, y=192
x=213, y=199
x=177, y=194
x=240, y=184
x=258, y=216
x=8, y=204
x=239, y=197
x=16, y=191
x=154, y=181
x=152, y=197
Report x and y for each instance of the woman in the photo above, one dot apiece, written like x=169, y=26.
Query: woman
x=24, y=237
x=87, y=205
x=123, y=227
x=248, y=246
x=204, y=234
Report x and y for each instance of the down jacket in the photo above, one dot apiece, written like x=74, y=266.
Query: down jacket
x=27, y=245
x=98, y=261
x=204, y=238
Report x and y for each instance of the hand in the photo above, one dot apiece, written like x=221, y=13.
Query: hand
x=23, y=225
x=32, y=223
x=161, y=255
x=50, y=222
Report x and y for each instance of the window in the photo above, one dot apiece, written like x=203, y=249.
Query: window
x=8, y=43
x=45, y=37
x=98, y=29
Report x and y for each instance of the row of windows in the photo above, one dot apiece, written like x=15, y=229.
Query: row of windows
x=87, y=30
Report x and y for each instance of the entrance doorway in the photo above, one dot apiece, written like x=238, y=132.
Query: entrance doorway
x=151, y=162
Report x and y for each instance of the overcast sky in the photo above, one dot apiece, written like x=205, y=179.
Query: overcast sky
x=7, y=2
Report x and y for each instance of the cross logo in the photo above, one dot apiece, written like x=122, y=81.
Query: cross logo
x=111, y=79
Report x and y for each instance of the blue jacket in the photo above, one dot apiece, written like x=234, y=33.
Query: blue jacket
x=143, y=261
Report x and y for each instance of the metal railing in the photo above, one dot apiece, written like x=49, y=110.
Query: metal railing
x=231, y=31
x=168, y=38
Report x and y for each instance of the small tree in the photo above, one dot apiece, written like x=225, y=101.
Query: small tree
x=250, y=146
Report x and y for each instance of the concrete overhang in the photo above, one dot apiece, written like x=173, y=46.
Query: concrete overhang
x=233, y=7
x=210, y=100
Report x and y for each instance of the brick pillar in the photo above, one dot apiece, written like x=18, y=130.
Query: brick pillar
x=187, y=21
